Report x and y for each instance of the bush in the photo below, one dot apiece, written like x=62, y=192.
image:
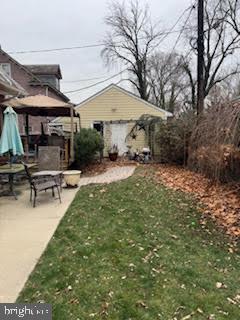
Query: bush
x=214, y=148
x=172, y=138
x=220, y=163
x=88, y=143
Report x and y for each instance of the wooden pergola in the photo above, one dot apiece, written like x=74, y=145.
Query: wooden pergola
x=44, y=106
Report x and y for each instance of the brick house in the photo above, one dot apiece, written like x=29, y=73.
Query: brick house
x=34, y=79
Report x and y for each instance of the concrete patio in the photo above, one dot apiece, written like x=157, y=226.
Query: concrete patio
x=26, y=231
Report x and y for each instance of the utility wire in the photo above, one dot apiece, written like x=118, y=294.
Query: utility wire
x=171, y=30
x=83, y=80
x=183, y=28
x=99, y=82
x=191, y=8
x=165, y=33
x=58, y=49
x=180, y=34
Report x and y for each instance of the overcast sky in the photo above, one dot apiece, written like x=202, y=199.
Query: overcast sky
x=45, y=24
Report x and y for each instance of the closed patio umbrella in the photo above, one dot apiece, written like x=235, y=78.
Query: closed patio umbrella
x=10, y=139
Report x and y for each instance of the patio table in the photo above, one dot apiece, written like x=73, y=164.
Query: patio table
x=52, y=173
x=11, y=171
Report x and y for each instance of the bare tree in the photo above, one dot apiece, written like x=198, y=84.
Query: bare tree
x=221, y=43
x=232, y=11
x=131, y=39
x=225, y=91
x=190, y=93
x=167, y=80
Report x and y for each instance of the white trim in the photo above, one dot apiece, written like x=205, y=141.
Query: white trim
x=81, y=104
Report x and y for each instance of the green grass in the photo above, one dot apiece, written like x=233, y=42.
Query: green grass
x=136, y=250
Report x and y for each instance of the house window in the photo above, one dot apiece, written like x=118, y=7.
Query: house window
x=49, y=79
x=6, y=68
x=97, y=125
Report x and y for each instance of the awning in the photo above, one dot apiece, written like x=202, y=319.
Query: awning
x=40, y=105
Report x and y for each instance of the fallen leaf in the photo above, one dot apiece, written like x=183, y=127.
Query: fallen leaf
x=220, y=285
x=231, y=301
x=220, y=201
x=142, y=304
x=189, y=316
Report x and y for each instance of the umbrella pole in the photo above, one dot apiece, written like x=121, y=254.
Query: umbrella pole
x=9, y=159
x=27, y=133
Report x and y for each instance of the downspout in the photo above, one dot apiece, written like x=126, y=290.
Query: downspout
x=79, y=120
x=72, y=135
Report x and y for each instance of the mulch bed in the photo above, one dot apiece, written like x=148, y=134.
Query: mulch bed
x=221, y=201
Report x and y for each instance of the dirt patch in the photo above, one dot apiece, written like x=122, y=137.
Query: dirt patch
x=221, y=201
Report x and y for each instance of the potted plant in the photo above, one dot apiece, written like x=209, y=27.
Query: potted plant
x=113, y=153
x=72, y=178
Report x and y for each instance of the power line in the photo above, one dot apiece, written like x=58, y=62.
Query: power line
x=161, y=40
x=82, y=80
x=176, y=23
x=97, y=83
x=183, y=28
x=191, y=8
x=165, y=33
x=58, y=49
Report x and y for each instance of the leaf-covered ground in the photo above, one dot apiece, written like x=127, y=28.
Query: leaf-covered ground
x=222, y=201
x=136, y=250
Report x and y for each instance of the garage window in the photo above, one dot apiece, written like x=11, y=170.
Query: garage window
x=97, y=125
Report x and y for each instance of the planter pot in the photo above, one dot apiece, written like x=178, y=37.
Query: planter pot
x=113, y=156
x=72, y=177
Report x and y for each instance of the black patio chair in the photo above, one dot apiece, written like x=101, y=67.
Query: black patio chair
x=38, y=184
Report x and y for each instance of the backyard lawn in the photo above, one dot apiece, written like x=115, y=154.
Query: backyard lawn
x=136, y=250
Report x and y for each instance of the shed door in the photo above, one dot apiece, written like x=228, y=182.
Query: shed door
x=119, y=134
